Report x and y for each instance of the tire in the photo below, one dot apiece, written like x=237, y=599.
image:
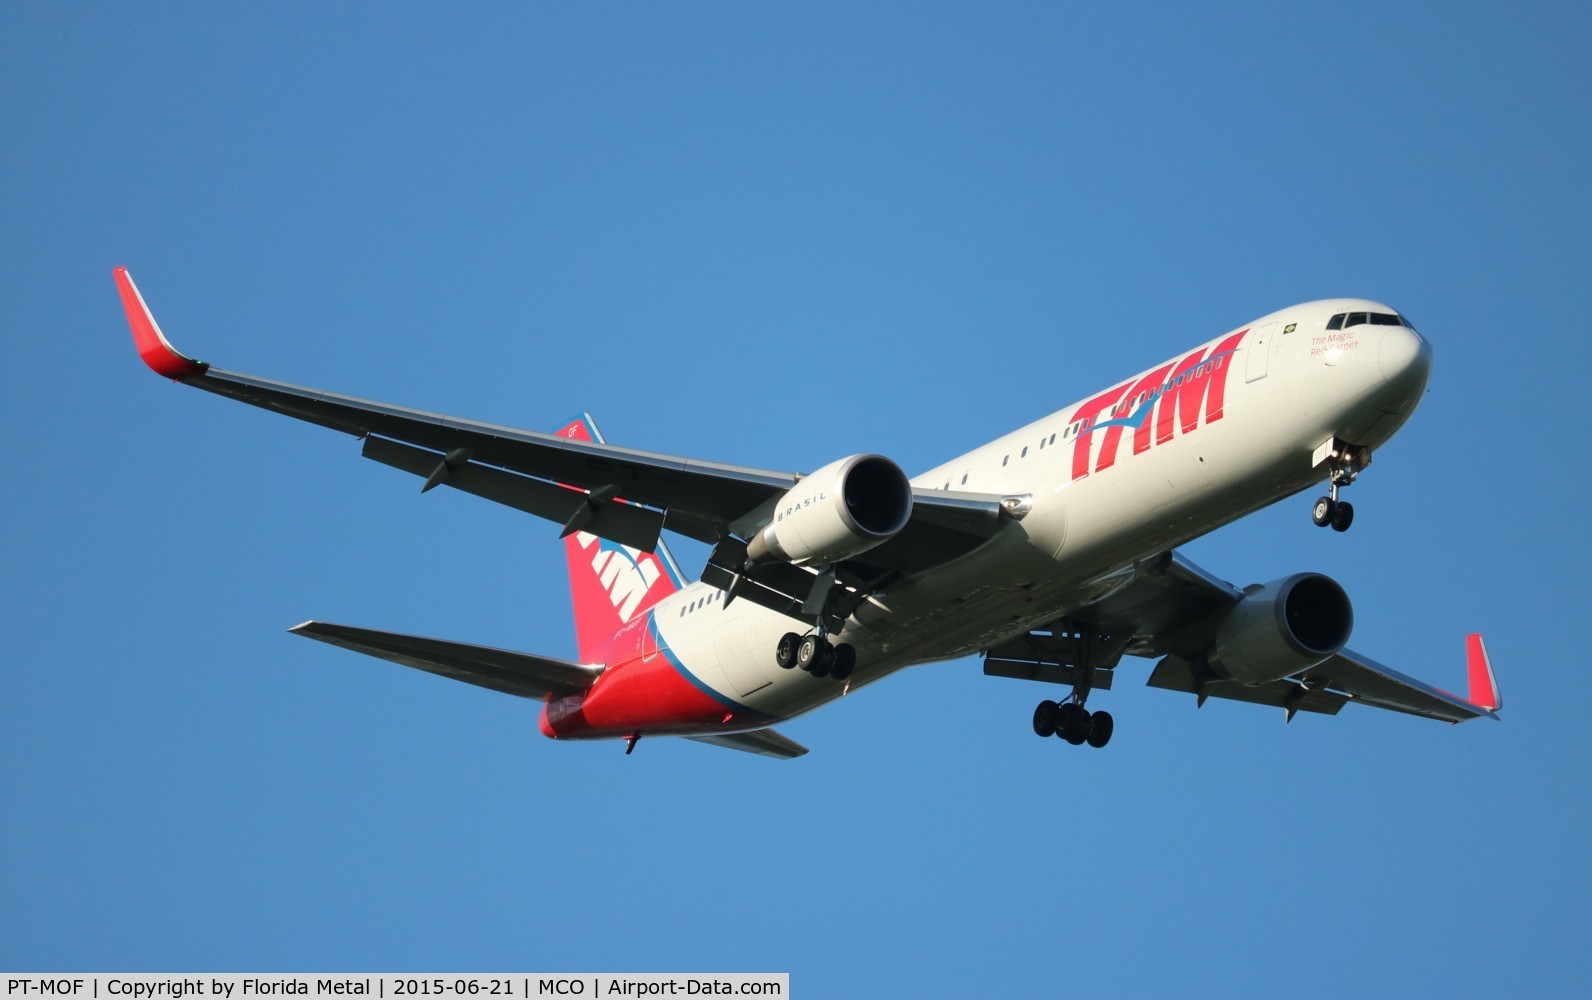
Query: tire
x=825, y=663
x=807, y=652
x=785, y=652
x=1101, y=725
x=1324, y=510
x=1072, y=723
x=1343, y=516
x=845, y=662
x=1045, y=718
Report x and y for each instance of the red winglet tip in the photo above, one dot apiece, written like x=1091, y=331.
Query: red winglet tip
x=1484, y=691
x=153, y=346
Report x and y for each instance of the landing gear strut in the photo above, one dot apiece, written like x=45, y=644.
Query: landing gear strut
x=816, y=655
x=1069, y=719
x=1329, y=509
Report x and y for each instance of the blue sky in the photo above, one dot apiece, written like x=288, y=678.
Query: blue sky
x=771, y=235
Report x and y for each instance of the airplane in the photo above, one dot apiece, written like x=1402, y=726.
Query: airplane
x=1050, y=551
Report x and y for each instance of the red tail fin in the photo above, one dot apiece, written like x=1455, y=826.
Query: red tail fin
x=610, y=583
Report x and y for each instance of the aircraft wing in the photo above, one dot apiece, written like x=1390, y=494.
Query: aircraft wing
x=622, y=494
x=1171, y=608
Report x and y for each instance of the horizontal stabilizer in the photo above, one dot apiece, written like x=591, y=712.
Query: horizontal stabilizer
x=759, y=741
x=522, y=674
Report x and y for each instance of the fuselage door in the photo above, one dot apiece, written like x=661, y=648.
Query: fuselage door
x=649, y=638
x=1259, y=350
x=746, y=672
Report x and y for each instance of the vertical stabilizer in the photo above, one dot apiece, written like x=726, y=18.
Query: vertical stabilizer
x=610, y=583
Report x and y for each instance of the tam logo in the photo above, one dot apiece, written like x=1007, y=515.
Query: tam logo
x=1172, y=395
x=625, y=574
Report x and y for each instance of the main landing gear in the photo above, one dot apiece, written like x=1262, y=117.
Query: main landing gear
x=1329, y=509
x=1073, y=723
x=816, y=655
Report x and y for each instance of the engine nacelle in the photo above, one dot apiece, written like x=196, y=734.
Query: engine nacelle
x=842, y=510
x=1284, y=627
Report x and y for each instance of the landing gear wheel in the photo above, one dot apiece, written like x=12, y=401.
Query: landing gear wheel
x=1100, y=727
x=845, y=661
x=809, y=652
x=1072, y=723
x=1324, y=512
x=826, y=659
x=785, y=652
x=1045, y=716
x=1343, y=516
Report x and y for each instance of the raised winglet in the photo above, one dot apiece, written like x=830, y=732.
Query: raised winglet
x=153, y=346
x=1484, y=691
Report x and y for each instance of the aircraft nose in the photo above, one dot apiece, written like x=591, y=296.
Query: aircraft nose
x=1406, y=361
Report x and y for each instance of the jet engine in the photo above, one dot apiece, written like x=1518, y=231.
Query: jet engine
x=842, y=510
x=1286, y=626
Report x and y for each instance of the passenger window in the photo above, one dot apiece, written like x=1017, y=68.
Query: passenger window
x=964, y=479
x=1024, y=452
x=1336, y=322
x=1052, y=439
x=1005, y=459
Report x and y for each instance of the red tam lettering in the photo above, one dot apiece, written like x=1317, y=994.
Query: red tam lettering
x=1086, y=413
x=1146, y=386
x=1200, y=380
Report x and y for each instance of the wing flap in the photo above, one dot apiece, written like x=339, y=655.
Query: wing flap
x=1175, y=674
x=766, y=742
x=523, y=674
x=624, y=523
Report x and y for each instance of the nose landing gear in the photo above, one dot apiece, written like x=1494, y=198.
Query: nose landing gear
x=1329, y=510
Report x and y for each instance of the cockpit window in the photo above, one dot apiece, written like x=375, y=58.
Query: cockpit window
x=1342, y=321
x=1405, y=320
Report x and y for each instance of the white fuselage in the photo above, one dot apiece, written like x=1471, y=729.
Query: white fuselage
x=1110, y=481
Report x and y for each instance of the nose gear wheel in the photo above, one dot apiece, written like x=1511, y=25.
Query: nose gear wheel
x=1329, y=510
